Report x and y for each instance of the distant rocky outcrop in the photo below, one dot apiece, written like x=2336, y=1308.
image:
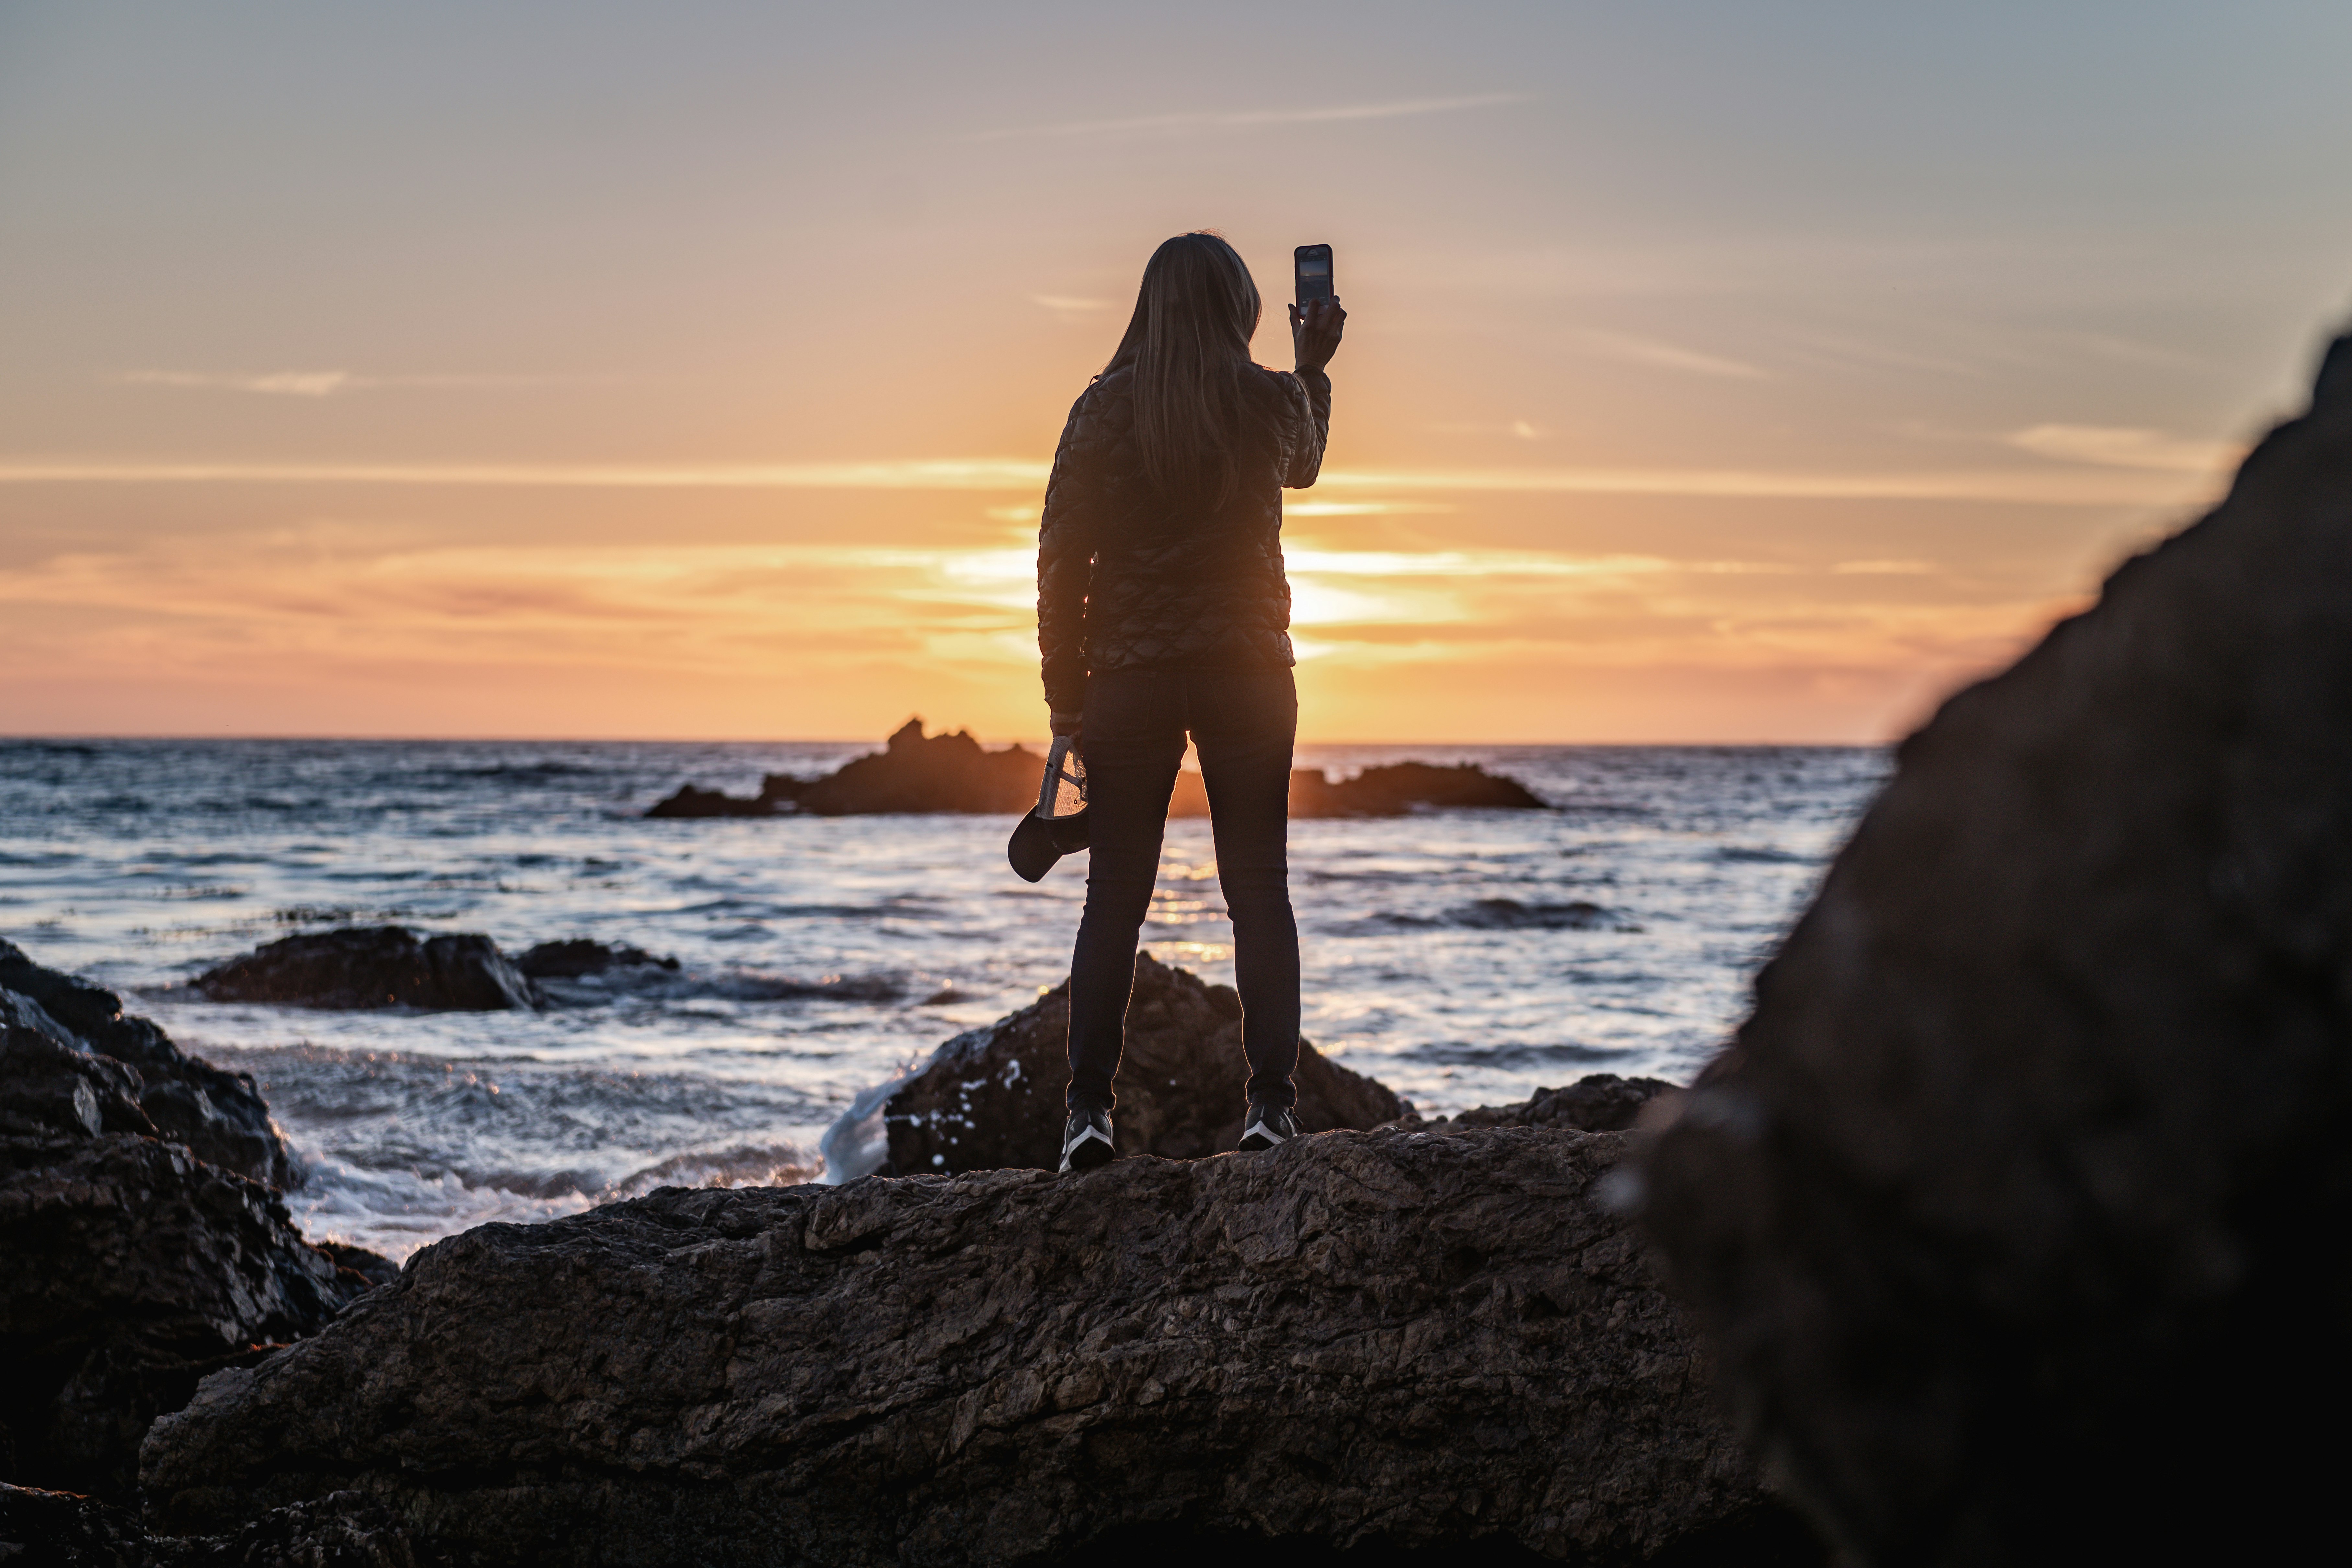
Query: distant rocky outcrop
x=692, y=800
x=992, y=1096
x=1386, y=1341
x=947, y=772
x=1392, y=789
x=2019, y=1215
x=374, y=966
x=129, y=1266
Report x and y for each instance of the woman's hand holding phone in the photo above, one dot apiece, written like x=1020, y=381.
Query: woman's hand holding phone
x=1314, y=329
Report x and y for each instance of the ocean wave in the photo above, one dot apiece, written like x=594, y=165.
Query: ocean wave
x=1761, y=855
x=1509, y=914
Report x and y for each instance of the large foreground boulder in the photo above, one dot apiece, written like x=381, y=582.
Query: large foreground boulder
x=2019, y=1214
x=132, y=1270
x=143, y=1240
x=77, y=1031
x=992, y=1096
x=374, y=966
x=1397, y=1339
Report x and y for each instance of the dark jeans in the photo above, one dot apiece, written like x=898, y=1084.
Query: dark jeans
x=1244, y=722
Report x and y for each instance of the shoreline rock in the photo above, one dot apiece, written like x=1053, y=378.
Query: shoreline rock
x=1393, y=1340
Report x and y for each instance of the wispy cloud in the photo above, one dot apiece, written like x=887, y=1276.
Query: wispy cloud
x=1667, y=356
x=1249, y=119
x=280, y=383
x=328, y=382
x=2121, y=448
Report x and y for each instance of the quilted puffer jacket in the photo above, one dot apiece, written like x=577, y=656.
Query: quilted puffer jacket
x=1127, y=578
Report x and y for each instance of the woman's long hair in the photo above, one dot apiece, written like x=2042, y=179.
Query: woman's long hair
x=1188, y=347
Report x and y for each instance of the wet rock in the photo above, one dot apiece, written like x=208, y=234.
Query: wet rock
x=992, y=1096
x=581, y=956
x=1405, y=1341
x=134, y=1268
x=218, y=1114
x=2017, y=1213
x=1392, y=789
x=1597, y=1103
x=374, y=966
x=693, y=801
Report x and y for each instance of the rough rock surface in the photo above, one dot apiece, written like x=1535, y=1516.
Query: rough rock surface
x=1597, y=1103
x=62, y=1529
x=2018, y=1211
x=992, y=1096
x=1359, y=1338
x=133, y=1268
x=218, y=1114
x=374, y=966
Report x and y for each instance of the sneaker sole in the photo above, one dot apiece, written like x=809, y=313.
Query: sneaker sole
x=1258, y=1145
x=1091, y=1155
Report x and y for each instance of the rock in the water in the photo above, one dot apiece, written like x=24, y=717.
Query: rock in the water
x=2017, y=1214
x=1597, y=1103
x=691, y=800
x=218, y=1114
x=132, y=1270
x=1392, y=789
x=374, y=966
x=940, y=772
x=1412, y=1340
x=992, y=1096
x=581, y=956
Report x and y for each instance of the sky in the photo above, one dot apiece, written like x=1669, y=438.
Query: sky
x=1716, y=372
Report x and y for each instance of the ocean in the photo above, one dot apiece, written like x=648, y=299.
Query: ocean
x=1462, y=958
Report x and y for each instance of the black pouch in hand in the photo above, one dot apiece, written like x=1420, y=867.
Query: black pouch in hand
x=1058, y=825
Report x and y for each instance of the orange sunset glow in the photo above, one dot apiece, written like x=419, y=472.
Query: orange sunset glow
x=603, y=375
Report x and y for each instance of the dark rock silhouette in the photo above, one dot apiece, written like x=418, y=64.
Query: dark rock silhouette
x=915, y=772
x=1392, y=789
x=945, y=773
x=1597, y=1103
x=692, y=801
x=581, y=956
x=2017, y=1213
x=374, y=966
x=1392, y=1339
x=82, y=1032
x=992, y=1096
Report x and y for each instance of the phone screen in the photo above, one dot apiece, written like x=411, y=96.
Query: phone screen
x=1314, y=264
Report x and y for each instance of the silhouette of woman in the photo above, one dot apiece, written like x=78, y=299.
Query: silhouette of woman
x=1162, y=610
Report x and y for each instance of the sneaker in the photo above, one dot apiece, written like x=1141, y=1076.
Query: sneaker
x=1086, y=1140
x=1266, y=1127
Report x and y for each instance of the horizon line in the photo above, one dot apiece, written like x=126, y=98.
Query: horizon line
x=2090, y=485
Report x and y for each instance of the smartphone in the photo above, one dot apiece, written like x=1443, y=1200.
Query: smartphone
x=1314, y=272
